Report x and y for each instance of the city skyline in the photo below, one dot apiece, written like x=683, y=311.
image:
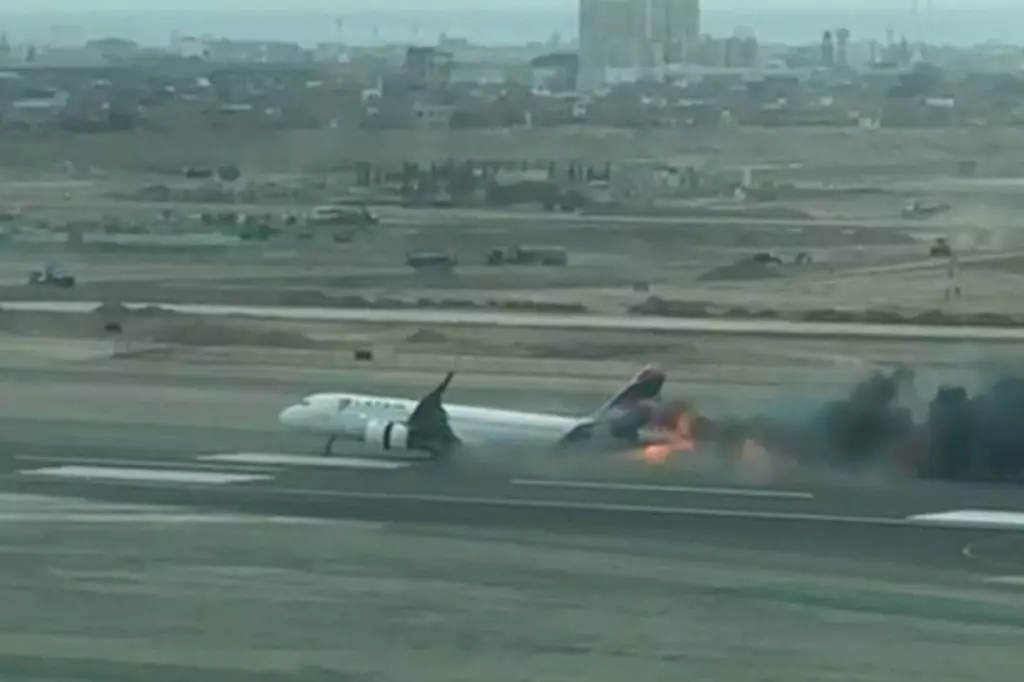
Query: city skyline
x=389, y=6
x=307, y=22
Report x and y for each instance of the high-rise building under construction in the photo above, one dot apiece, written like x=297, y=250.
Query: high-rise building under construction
x=634, y=36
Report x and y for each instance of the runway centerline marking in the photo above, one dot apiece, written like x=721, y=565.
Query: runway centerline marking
x=521, y=503
x=126, y=474
x=1005, y=580
x=654, y=488
x=143, y=463
x=146, y=517
x=973, y=518
x=270, y=458
x=261, y=492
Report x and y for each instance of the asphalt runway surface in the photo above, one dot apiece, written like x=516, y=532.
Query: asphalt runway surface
x=916, y=526
x=179, y=549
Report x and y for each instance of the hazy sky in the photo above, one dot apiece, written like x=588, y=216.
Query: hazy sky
x=341, y=6
x=404, y=21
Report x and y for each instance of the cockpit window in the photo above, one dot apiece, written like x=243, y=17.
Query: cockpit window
x=305, y=402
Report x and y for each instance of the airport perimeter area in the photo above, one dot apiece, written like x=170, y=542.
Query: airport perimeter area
x=160, y=524
x=154, y=489
x=835, y=310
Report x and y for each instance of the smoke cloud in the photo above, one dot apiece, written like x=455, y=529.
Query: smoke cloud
x=959, y=435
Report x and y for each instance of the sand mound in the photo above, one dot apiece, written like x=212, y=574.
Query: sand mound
x=655, y=305
x=539, y=306
x=205, y=333
x=746, y=270
x=697, y=309
x=112, y=310
x=426, y=336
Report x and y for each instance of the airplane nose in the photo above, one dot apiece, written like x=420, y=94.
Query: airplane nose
x=290, y=416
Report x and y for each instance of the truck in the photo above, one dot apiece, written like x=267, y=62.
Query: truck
x=336, y=215
x=343, y=223
x=528, y=255
x=941, y=248
x=431, y=260
x=51, y=275
x=919, y=209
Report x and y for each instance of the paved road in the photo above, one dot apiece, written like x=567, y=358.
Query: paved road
x=283, y=566
x=915, y=525
x=551, y=321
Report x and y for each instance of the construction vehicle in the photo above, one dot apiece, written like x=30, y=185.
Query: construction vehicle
x=431, y=260
x=766, y=258
x=335, y=215
x=941, y=248
x=528, y=255
x=919, y=209
x=258, y=232
x=51, y=275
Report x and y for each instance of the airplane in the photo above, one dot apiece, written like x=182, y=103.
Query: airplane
x=429, y=429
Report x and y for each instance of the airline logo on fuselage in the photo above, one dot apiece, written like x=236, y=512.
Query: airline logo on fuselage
x=373, y=403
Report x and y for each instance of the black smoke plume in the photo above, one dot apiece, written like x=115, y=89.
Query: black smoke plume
x=961, y=437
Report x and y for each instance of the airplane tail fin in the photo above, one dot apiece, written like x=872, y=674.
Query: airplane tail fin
x=646, y=385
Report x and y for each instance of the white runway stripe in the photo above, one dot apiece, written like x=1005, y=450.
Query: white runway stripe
x=144, y=517
x=142, y=463
x=973, y=518
x=642, y=487
x=1006, y=580
x=126, y=474
x=270, y=458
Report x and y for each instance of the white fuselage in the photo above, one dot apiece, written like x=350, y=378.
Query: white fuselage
x=332, y=415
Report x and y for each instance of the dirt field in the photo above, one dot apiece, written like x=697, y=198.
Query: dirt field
x=145, y=595
x=716, y=369
x=608, y=275
x=905, y=152
x=864, y=255
x=209, y=384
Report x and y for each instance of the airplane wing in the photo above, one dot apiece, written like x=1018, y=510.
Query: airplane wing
x=428, y=424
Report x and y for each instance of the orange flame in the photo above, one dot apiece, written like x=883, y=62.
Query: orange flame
x=679, y=438
x=655, y=453
x=752, y=450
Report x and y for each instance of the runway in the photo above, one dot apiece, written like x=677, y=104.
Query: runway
x=917, y=527
x=514, y=320
x=171, y=536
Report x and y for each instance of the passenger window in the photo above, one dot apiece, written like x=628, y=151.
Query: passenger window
x=343, y=403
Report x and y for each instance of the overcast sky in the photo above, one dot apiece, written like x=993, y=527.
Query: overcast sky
x=341, y=6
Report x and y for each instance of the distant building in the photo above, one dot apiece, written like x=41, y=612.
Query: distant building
x=673, y=29
x=555, y=72
x=432, y=115
x=113, y=49
x=843, y=47
x=35, y=112
x=828, y=50
x=641, y=36
x=188, y=46
x=428, y=67
x=733, y=52
x=254, y=52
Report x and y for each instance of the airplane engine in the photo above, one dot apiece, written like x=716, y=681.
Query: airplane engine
x=386, y=436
